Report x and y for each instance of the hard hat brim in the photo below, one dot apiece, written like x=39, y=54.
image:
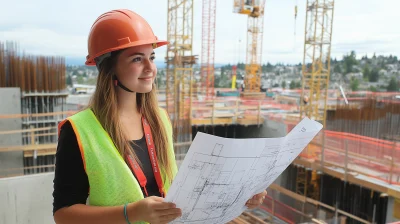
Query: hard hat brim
x=158, y=43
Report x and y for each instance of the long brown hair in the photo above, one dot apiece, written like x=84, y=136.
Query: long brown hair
x=104, y=105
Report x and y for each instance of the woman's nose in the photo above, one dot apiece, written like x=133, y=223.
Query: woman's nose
x=148, y=65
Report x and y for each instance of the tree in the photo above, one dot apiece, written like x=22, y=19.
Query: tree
x=382, y=64
x=241, y=66
x=69, y=80
x=337, y=69
x=393, y=85
x=223, y=71
x=374, y=75
x=354, y=84
x=373, y=89
x=79, y=80
x=298, y=84
x=222, y=81
x=283, y=85
x=292, y=85
x=366, y=72
x=349, y=61
x=268, y=67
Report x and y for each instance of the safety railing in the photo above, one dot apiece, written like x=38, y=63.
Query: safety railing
x=369, y=156
x=372, y=157
x=234, y=110
x=298, y=209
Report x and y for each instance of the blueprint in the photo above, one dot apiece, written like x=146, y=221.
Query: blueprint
x=218, y=175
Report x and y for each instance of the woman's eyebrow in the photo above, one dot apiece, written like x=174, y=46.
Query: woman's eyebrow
x=142, y=54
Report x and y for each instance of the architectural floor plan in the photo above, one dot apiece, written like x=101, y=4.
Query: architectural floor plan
x=218, y=175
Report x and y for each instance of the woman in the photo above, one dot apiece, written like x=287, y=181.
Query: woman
x=115, y=160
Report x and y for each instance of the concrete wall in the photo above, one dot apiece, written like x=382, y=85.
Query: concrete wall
x=10, y=104
x=27, y=199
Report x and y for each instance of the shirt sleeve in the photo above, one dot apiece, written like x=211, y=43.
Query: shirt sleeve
x=71, y=184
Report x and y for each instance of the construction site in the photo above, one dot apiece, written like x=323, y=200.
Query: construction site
x=349, y=173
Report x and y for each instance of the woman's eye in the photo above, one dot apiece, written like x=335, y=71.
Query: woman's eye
x=152, y=58
x=137, y=59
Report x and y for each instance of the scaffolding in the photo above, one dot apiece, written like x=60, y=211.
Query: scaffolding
x=179, y=71
x=42, y=83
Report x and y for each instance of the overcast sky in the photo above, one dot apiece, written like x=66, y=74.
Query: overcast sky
x=61, y=27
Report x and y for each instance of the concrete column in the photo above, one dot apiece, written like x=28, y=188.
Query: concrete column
x=10, y=104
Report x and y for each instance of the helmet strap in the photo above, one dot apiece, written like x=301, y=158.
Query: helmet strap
x=101, y=58
x=118, y=83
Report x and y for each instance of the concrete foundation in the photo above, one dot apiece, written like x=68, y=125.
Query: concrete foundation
x=10, y=162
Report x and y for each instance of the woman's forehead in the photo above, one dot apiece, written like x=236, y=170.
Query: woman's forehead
x=142, y=49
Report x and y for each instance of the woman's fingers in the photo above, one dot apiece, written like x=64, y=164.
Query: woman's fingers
x=170, y=217
x=256, y=200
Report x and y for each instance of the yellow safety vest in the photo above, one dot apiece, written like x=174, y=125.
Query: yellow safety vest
x=110, y=179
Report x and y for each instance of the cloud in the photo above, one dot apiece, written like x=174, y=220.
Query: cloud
x=61, y=28
x=46, y=42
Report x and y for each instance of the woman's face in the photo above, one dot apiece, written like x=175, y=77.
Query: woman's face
x=136, y=69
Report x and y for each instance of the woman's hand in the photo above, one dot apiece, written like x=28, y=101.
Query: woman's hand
x=256, y=200
x=153, y=210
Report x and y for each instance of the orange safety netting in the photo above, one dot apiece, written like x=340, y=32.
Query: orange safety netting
x=368, y=156
x=282, y=211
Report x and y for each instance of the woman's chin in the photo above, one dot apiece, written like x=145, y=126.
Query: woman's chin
x=145, y=89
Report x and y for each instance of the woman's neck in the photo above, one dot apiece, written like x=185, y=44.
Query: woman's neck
x=127, y=104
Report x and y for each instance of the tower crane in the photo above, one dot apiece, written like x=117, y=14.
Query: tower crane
x=316, y=59
x=208, y=47
x=180, y=61
x=254, y=9
x=315, y=79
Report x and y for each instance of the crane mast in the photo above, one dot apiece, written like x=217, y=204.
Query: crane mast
x=179, y=71
x=208, y=47
x=254, y=9
x=316, y=60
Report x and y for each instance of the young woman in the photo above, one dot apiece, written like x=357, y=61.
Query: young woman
x=115, y=160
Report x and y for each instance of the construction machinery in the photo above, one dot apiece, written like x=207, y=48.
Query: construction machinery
x=254, y=9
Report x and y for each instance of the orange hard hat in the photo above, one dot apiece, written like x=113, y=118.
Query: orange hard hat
x=119, y=29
